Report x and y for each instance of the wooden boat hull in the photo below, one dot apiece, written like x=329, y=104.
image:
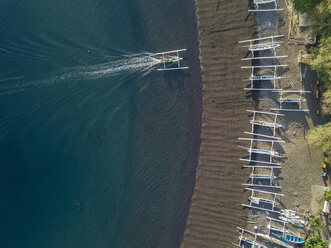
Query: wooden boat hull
x=293, y=239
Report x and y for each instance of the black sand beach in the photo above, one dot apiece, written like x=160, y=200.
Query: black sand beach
x=216, y=205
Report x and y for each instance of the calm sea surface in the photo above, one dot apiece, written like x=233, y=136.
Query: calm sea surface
x=97, y=149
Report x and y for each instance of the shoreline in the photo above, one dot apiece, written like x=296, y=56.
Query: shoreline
x=216, y=210
x=303, y=191
x=218, y=193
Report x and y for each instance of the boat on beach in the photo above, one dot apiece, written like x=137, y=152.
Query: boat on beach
x=282, y=232
x=293, y=239
x=262, y=47
x=263, y=1
x=290, y=100
x=245, y=241
x=265, y=124
x=290, y=215
x=260, y=176
x=290, y=238
x=276, y=229
x=294, y=222
x=284, y=100
x=260, y=78
x=262, y=151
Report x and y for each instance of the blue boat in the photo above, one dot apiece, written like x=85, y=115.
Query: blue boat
x=293, y=239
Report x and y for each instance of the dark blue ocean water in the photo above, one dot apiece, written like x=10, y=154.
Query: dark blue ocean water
x=96, y=149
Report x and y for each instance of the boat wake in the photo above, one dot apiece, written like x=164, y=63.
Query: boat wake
x=129, y=65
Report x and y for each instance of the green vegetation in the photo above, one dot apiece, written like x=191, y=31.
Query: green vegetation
x=322, y=61
x=305, y=5
x=320, y=137
x=316, y=224
x=321, y=17
x=328, y=196
x=326, y=102
x=316, y=242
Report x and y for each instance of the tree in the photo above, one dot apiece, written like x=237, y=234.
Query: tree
x=320, y=137
x=326, y=102
x=316, y=242
x=328, y=196
x=322, y=60
x=316, y=224
x=321, y=18
x=305, y=5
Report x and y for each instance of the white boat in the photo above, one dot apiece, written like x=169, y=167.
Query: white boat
x=259, y=176
x=263, y=1
x=262, y=47
x=169, y=59
x=283, y=100
x=276, y=229
x=290, y=100
x=289, y=214
x=262, y=151
x=288, y=211
x=294, y=222
x=265, y=123
x=260, y=78
x=244, y=241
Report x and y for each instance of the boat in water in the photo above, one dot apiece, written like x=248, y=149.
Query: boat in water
x=170, y=59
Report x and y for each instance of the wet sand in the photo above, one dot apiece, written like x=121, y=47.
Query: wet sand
x=216, y=204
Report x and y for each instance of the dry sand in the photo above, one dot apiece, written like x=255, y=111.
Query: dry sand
x=216, y=205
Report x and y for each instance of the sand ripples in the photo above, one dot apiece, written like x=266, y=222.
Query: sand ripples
x=216, y=206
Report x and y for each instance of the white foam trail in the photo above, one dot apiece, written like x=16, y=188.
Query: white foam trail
x=128, y=65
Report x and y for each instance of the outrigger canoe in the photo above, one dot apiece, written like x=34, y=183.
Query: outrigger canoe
x=263, y=1
x=290, y=100
x=261, y=47
x=257, y=78
x=293, y=239
x=264, y=123
x=169, y=59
